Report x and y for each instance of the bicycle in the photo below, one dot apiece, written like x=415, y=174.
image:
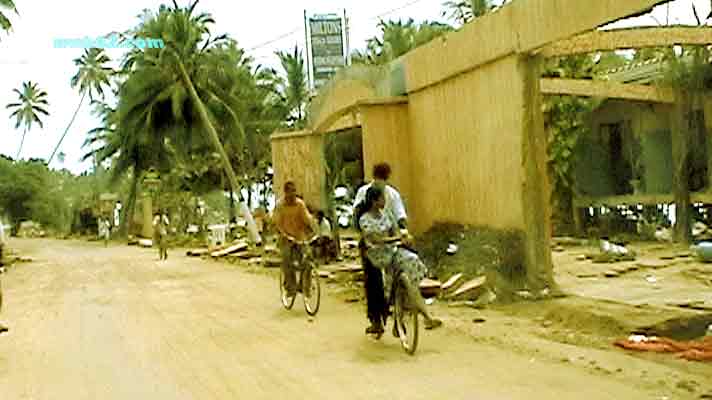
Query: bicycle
x=305, y=265
x=405, y=314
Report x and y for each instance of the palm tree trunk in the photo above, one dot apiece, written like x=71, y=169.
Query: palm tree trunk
x=128, y=215
x=67, y=130
x=215, y=139
x=22, y=141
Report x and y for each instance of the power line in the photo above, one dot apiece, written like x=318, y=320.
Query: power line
x=299, y=29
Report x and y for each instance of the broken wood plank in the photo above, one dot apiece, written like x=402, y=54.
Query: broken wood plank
x=272, y=262
x=652, y=264
x=350, y=268
x=145, y=242
x=232, y=249
x=451, y=282
x=197, y=252
x=469, y=286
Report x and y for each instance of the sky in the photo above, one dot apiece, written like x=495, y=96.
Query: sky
x=262, y=28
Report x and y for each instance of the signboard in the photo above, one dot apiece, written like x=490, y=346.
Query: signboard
x=327, y=47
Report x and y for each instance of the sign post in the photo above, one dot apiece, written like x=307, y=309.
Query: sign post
x=326, y=39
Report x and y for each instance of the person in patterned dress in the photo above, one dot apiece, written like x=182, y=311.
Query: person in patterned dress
x=378, y=227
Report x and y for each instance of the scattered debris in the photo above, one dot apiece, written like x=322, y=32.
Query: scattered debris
x=581, y=257
x=273, y=262
x=479, y=320
x=145, y=242
x=452, y=249
x=430, y=288
x=197, y=252
x=451, y=282
x=350, y=268
x=559, y=249
x=232, y=249
x=651, y=279
x=469, y=286
x=611, y=274
x=663, y=235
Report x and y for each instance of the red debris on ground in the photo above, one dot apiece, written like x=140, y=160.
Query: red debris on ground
x=694, y=350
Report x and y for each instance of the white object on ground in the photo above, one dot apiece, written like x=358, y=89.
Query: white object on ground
x=651, y=279
x=452, y=249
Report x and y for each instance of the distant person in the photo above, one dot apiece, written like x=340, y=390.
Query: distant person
x=160, y=233
x=104, y=230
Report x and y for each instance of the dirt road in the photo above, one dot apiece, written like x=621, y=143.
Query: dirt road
x=89, y=322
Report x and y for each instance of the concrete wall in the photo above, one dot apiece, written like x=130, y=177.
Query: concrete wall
x=466, y=133
x=298, y=157
x=386, y=138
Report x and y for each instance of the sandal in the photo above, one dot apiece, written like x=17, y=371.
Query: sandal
x=433, y=324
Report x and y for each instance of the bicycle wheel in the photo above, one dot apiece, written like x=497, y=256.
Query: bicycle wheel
x=406, y=319
x=311, y=303
x=287, y=301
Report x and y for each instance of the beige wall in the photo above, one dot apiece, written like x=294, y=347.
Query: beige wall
x=386, y=138
x=298, y=157
x=466, y=133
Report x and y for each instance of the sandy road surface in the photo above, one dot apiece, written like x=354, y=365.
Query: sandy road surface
x=95, y=323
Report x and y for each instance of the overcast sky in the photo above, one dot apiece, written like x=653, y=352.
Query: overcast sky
x=27, y=53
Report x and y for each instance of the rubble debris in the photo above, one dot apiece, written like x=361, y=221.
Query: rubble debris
x=197, y=252
x=452, y=249
x=663, y=235
x=350, y=268
x=430, y=288
x=451, y=282
x=272, y=262
x=581, y=257
x=232, y=249
x=145, y=242
x=652, y=264
x=469, y=286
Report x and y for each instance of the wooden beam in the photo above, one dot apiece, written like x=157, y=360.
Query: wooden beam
x=636, y=38
x=603, y=89
x=520, y=27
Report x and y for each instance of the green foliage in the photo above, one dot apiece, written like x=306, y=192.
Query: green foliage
x=464, y=11
x=9, y=5
x=397, y=38
x=30, y=191
x=31, y=103
x=294, y=86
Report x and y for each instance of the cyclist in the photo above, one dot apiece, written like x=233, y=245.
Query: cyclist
x=378, y=227
x=375, y=297
x=293, y=223
x=3, y=328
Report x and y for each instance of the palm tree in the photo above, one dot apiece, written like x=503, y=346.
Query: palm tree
x=190, y=86
x=5, y=24
x=464, y=11
x=295, y=86
x=397, y=38
x=92, y=77
x=31, y=103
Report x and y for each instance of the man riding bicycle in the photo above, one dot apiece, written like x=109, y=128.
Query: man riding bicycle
x=294, y=224
x=375, y=297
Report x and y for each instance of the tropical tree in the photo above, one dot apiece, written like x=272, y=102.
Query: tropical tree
x=464, y=11
x=186, y=94
x=5, y=24
x=31, y=104
x=397, y=38
x=294, y=86
x=93, y=76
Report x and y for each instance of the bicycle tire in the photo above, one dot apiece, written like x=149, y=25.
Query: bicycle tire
x=287, y=302
x=405, y=317
x=311, y=303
